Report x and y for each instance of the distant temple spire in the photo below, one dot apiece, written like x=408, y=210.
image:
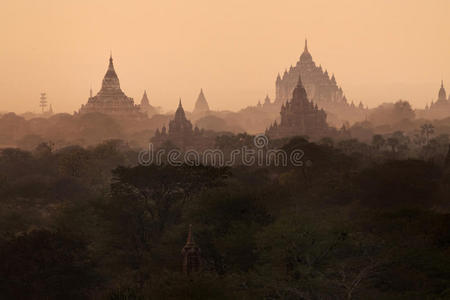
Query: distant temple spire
x=191, y=255
x=306, y=57
x=111, y=65
x=144, y=100
x=146, y=107
x=442, y=96
x=180, y=116
x=201, y=105
x=111, y=80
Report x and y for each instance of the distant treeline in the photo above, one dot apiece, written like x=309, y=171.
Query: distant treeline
x=90, y=129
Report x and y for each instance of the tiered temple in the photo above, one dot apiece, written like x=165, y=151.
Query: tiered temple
x=320, y=88
x=111, y=99
x=299, y=116
x=318, y=84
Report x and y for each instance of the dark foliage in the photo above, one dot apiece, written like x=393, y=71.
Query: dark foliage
x=45, y=265
x=355, y=221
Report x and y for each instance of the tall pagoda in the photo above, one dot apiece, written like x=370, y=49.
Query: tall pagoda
x=111, y=99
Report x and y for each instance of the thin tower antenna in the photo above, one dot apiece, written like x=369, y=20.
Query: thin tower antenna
x=43, y=101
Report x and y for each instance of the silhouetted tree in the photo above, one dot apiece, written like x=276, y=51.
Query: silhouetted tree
x=427, y=130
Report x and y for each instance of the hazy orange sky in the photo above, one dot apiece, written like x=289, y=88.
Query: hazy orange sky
x=379, y=50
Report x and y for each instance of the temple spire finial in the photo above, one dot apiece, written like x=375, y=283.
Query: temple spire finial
x=306, y=45
x=189, y=237
x=111, y=65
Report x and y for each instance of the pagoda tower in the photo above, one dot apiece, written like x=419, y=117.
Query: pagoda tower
x=299, y=116
x=144, y=100
x=191, y=255
x=180, y=125
x=111, y=99
x=146, y=107
x=181, y=133
x=442, y=95
x=201, y=105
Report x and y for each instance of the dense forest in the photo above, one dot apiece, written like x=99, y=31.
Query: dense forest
x=361, y=221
